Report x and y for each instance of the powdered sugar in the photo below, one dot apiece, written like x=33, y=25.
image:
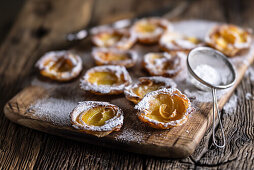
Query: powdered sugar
x=130, y=135
x=51, y=58
x=231, y=105
x=54, y=110
x=129, y=60
x=160, y=25
x=119, y=71
x=109, y=125
x=249, y=96
x=145, y=103
x=208, y=74
x=155, y=63
x=156, y=79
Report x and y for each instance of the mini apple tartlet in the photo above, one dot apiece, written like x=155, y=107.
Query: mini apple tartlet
x=97, y=118
x=113, y=56
x=229, y=39
x=136, y=91
x=164, y=108
x=162, y=64
x=172, y=41
x=117, y=38
x=60, y=65
x=149, y=30
x=108, y=79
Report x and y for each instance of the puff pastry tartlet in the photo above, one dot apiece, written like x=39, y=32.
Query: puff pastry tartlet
x=110, y=37
x=60, y=65
x=108, y=79
x=229, y=39
x=97, y=118
x=162, y=64
x=173, y=41
x=164, y=108
x=149, y=30
x=136, y=91
x=113, y=56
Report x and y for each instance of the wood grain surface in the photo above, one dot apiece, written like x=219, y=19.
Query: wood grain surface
x=23, y=148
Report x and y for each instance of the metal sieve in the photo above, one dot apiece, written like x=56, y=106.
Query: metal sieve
x=218, y=61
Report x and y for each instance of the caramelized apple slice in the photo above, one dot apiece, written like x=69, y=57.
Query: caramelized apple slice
x=149, y=30
x=164, y=108
x=117, y=38
x=229, y=39
x=106, y=79
x=162, y=64
x=60, y=65
x=97, y=118
x=136, y=91
x=172, y=41
x=112, y=56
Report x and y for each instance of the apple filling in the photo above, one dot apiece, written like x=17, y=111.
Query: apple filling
x=103, y=78
x=146, y=27
x=149, y=30
x=109, y=39
x=97, y=116
x=107, y=79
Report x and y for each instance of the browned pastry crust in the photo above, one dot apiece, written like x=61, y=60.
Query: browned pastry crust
x=164, y=108
x=97, y=118
x=107, y=79
x=118, y=38
x=173, y=41
x=162, y=64
x=113, y=56
x=149, y=30
x=136, y=91
x=60, y=65
x=229, y=39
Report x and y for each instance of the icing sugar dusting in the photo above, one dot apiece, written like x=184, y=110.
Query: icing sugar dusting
x=250, y=73
x=54, y=110
x=231, y=105
x=208, y=74
x=130, y=135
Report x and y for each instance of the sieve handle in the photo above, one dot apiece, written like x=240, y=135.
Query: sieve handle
x=215, y=107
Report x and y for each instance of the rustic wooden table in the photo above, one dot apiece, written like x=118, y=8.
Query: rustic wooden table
x=41, y=26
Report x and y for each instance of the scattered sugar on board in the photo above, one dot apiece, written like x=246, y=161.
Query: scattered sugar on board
x=54, y=110
x=231, y=105
x=129, y=134
x=249, y=96
x=57, y=107
x=250, y=73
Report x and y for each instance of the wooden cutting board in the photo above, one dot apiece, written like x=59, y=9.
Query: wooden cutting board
x=45, y=105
